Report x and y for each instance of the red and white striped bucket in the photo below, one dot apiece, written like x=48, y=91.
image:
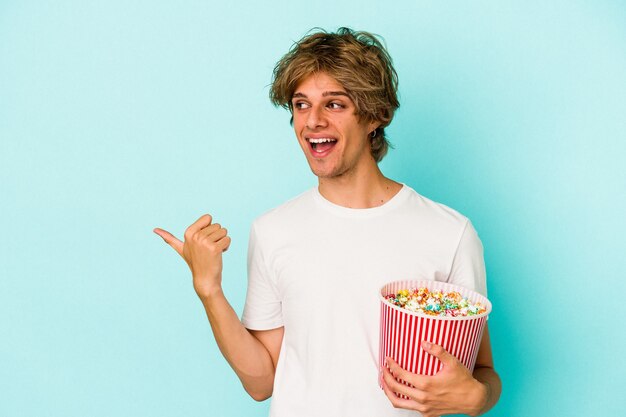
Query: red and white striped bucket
x=402, y=331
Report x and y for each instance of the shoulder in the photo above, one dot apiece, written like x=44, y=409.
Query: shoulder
x=432, y=212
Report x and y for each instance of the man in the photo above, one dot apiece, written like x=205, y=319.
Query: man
x=309, y=336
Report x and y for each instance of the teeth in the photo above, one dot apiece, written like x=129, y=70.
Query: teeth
x=321, y=140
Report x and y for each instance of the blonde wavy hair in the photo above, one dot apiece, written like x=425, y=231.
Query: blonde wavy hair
x=358, y=61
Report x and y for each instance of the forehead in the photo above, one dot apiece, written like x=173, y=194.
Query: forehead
x=318, y=83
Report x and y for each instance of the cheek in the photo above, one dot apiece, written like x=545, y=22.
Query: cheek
x=298, y=124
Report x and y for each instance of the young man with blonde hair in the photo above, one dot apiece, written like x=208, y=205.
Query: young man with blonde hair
x=308, y=336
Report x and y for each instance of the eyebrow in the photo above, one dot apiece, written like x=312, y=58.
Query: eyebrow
x=324, y=94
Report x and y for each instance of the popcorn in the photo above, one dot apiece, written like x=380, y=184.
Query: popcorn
x=435, y=303
x=414, y=311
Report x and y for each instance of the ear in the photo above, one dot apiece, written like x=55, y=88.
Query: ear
x=373, y=125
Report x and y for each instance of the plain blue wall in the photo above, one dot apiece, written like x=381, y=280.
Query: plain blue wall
x=119, y=116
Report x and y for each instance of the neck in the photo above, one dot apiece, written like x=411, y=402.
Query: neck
x=363, y=191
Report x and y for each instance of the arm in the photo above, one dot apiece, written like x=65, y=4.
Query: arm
x=485, y=373
x=453, y=390
x=252, y=354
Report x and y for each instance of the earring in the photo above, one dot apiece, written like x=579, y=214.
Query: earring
x=374, y=133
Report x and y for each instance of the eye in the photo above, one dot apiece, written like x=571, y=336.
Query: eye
x=300, y=105
x=335, y=105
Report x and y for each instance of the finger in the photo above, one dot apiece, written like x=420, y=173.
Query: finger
x=170, y=239
x=212, y=238
x=209, y=231
x=396, y=401
x=395, y=385
x=224, y=243
x=439, y=352
x=399, y=372
x=201, y=223
x=420, y=382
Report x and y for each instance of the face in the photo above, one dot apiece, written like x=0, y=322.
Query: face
x=333, y=139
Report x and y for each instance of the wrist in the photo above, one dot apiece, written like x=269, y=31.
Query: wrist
x=208, y=294
x=481, y=398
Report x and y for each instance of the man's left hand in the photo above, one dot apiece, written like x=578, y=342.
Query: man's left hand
x=452, y=391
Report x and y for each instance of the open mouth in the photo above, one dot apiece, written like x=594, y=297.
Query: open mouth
x=321, y=145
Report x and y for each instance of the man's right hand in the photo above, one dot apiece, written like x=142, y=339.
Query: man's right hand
x=202, y=250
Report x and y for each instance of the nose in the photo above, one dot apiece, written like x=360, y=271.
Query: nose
x=315, y=118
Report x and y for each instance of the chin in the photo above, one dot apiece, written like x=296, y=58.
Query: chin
x=321, y=173
x=327, y=169
x=325, y=173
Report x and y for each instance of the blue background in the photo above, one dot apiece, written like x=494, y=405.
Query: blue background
x=120, y=116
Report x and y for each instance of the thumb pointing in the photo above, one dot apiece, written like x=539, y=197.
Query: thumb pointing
x=170, y=239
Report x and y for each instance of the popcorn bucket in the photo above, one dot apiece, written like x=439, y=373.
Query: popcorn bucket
x=402, y=331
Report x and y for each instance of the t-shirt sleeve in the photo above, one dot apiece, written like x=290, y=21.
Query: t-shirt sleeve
x=263, y=308
x=468, y=265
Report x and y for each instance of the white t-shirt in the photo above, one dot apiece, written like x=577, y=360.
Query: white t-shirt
x=316, y=268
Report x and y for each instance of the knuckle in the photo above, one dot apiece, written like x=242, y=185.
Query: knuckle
x=423, y=385
x=405, y=378
x=420, y=397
